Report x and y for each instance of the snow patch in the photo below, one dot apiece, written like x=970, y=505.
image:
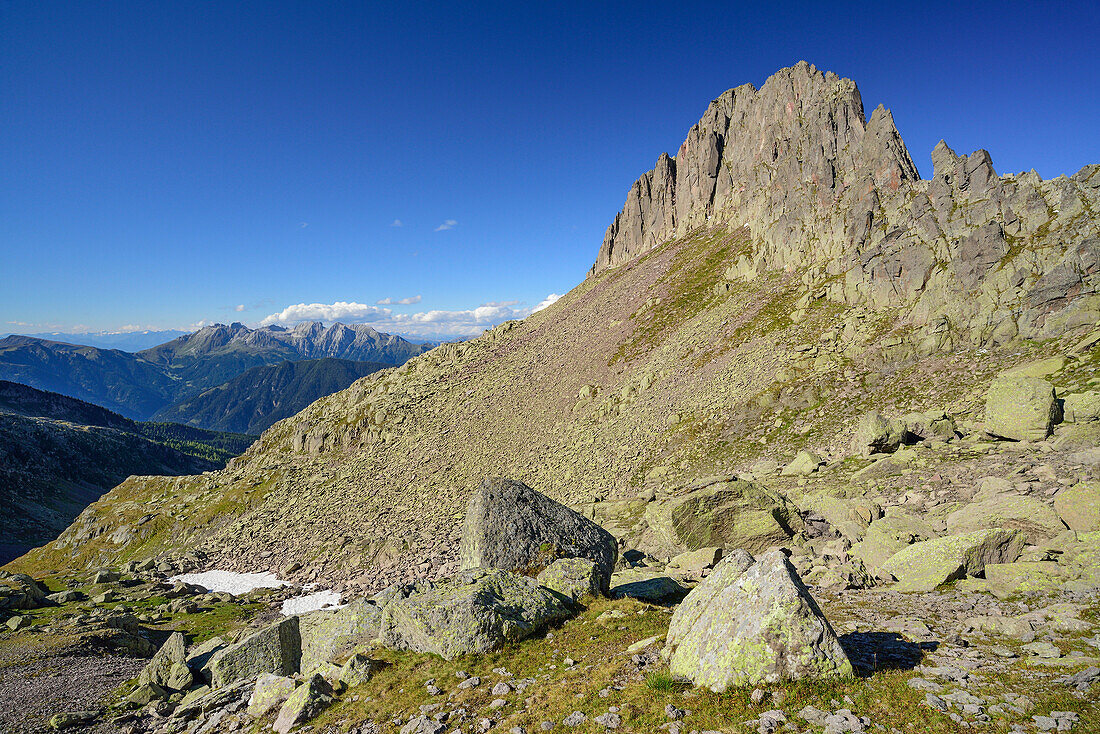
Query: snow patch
x=312, y=602
x=231, y=582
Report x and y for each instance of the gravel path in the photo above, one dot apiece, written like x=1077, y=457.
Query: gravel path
x=33, y=691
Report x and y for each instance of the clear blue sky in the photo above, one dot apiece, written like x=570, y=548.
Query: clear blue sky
x=163, y=164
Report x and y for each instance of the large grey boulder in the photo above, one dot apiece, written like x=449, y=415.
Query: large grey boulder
x=753, y=623
x=1030, y=515
x=477, y=611
x=924, y=566
x=1020, y=408
x=306, y=702
x=168, y=667
x=512, y=527
x=723, y=512
x=1079, y=506
x=328, y=634
x=275, y=649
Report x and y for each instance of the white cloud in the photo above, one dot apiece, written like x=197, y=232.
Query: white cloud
x=548, y=301
x=449, y=224
x=384, y=301
x=428, y=324
x=397, y=223
x=409, y=301
x=240, y=307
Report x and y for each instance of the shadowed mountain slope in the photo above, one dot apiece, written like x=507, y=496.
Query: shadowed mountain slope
x=252, y=401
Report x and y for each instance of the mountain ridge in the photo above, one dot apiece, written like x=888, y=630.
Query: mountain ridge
x=137, y=385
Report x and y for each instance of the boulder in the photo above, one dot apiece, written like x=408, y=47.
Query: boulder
x=275, y=649
x=886, y=536
x=357, y=670
x=758, y=626
x=307, y=701
x=929, y=425
x=477, y=611
x=1081, y=407
x=930, y=563
x=722, y=512
x=804, y=464
x=159, y=668
x=328, y=634
x=512, y=527
x=1030, y=515
x=1005, y=580
x=647, y=585
x=695, y=603
x=72, y=719
x=146, y=693
x=1079, y=506
x=1020, y=408
x=849, y=517
x=877, y=434
x=573, y=578
x=270, y=693
x=695, y=563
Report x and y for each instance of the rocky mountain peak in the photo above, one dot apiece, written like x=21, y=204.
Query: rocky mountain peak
x=823, y=190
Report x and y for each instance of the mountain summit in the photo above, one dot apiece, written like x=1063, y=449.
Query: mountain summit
x=820, y=187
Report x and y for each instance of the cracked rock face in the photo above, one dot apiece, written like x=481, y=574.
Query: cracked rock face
x=817, y=184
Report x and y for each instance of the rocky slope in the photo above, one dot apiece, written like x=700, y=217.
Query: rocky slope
x=721, y=347
x=255, y=399
x=57, y=455
x=138, y=385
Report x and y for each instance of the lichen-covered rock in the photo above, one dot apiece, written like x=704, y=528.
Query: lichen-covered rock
x=357, y=670
x=757, y=626
x=1081, y=407
x=275, y=649
x=328, y=634
x=695, y=563
x=722, y=511
x=804, y=464
x=877, y=434
x=1030, y=515
x=270, y=692
x=695, y=603
x=850, y=517
x=159, y=669
x=512, y=527
x=1079, y=506
x=888, y=535
x=646, y=585
x=146, y=693
x=1020, y=408
x=307, y=700
x=71, y=719
x=477, y=611
x=573, y=578
x=930, y=563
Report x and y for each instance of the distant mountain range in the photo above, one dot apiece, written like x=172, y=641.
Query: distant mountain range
x=139, y=385
x=58, y=454
x=252, y=401
x=127, y=341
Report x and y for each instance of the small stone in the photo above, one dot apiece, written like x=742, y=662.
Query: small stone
x=610, y=720
x=575, y=719
x=498, y=703
x=673, y=713
x=501, y=689
x=757, y=696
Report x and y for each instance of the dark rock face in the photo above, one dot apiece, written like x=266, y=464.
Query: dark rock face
x=510, y=526
x=820, y=187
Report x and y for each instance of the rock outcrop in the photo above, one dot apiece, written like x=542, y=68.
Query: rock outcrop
x=819, y=185
x=275, y=649
x=925, y=565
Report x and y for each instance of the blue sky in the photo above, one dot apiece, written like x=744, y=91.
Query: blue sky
x=169, y=164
